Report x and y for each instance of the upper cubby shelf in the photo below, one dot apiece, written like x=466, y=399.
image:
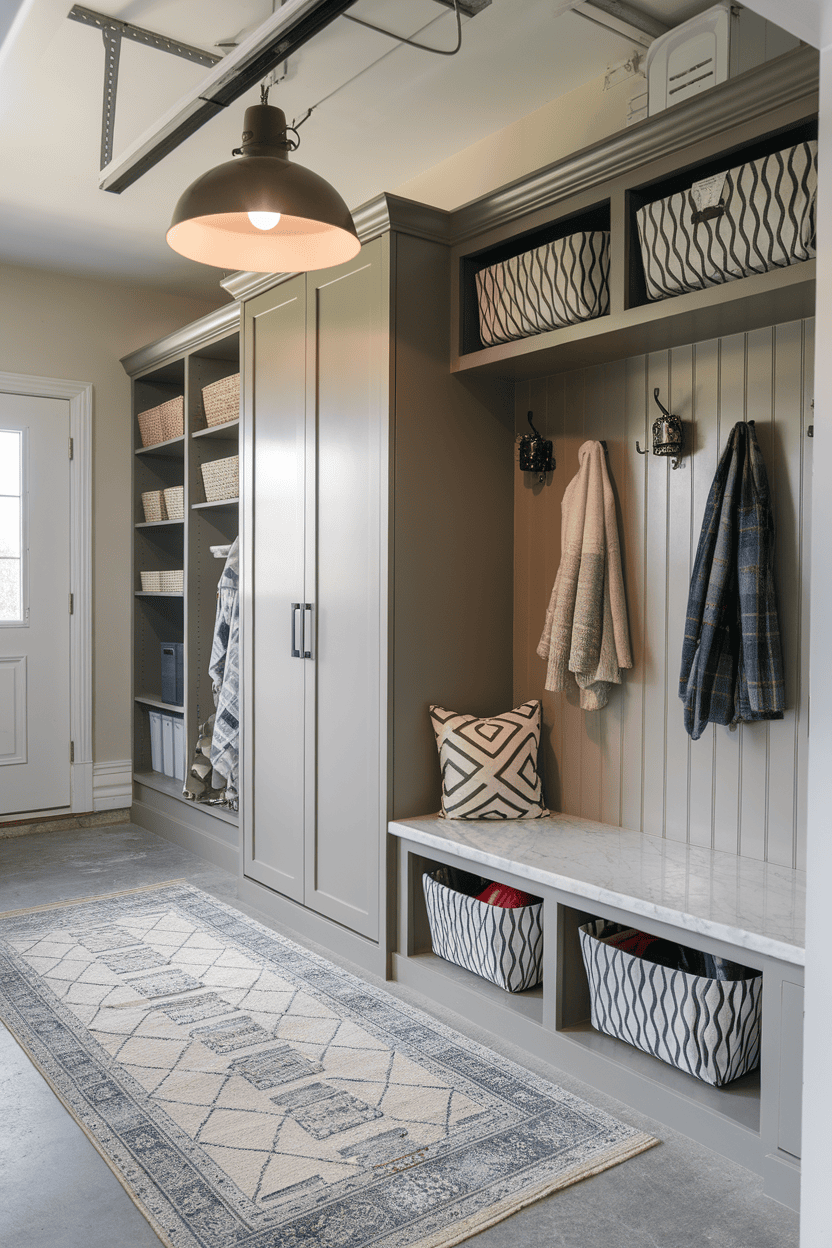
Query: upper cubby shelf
x=579, y=200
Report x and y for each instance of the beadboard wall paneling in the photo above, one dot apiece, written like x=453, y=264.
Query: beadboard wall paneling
x=632, y=764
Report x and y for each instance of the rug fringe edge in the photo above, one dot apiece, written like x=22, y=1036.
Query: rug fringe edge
x=462, y=1231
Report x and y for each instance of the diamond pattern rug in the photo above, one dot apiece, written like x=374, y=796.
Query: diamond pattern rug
x=248, y=1093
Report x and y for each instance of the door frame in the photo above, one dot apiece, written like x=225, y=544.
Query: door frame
x=79, y=394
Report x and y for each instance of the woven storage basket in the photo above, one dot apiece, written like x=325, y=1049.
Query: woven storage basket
x=153, y=505
x=558, y=284
x=221, y=478
x=151, y=583
x=175, y=502
x=503, y=946
x=166, y=420
x=172, y=582
x=221, y=400
x=707, y=1027
x=173, y=418
x=749, y=219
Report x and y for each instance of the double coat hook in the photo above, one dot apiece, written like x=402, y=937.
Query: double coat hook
x=668, y=434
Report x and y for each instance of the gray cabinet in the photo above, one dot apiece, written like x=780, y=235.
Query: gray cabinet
x=316, y=417
x=377, y=547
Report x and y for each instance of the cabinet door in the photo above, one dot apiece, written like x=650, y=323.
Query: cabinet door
x=347, y=342
x=275, y=441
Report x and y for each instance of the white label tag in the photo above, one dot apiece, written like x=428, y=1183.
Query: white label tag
x=708, y=192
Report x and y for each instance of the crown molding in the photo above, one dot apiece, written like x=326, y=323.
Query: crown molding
x=788, y=80
x=225, y=320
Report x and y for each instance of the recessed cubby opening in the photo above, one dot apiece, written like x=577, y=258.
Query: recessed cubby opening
x=681, y=180
x=738, y=1101
x=209, y=364
x=158, y=620
x=159, y=548
x=167, y=382
x=458, y=982
x=587, y=219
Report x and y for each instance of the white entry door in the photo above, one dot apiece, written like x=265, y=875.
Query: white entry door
x=34, y=605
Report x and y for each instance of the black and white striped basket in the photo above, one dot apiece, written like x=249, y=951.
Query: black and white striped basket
x=503, y=946
x=558, y=284
x=755, y=217
x=708, y=1027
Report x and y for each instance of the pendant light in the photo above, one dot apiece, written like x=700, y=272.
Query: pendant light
x=262, y=213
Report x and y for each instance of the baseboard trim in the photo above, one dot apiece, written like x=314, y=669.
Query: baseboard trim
x=112, y=785
x=160, y=814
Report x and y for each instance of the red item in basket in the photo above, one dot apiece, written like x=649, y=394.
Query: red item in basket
x=636, y=943
x=504, y=896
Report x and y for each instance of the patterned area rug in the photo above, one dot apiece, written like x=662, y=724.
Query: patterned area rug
x=249, y=1093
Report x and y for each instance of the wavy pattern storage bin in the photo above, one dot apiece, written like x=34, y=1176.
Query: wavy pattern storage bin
x=558, y=284
x=503, y=946
x=750, y=219
x=708, y=1027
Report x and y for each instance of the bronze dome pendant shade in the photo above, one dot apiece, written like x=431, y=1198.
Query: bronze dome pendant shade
x=262, y=213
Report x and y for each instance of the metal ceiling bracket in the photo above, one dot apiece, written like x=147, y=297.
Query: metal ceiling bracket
x=113, y=31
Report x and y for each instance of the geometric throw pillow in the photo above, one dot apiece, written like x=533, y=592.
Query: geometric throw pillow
x=489, y=766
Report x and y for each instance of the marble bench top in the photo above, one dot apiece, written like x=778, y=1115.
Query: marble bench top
x=753, y=905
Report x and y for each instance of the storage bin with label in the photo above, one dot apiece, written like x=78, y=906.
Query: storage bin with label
x=557, y=284
x=503, y=946
x=706, y=1026
x=748, y=219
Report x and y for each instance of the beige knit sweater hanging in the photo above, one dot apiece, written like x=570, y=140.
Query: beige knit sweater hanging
x=586, y=624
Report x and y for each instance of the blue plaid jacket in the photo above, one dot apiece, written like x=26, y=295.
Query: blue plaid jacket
x=732, y=667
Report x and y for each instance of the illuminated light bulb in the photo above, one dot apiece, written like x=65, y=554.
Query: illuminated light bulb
x=264, y=220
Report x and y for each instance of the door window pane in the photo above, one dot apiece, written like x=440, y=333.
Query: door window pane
x=11, y=525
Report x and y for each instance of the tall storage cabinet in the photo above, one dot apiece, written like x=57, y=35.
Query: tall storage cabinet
x=378, y=571
x=315, y=357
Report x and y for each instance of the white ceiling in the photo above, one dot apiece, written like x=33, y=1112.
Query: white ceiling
x=387, y=112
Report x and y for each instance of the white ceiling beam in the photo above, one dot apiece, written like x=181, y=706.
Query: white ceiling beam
x=283, y=32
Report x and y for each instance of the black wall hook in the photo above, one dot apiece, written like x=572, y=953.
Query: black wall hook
x=668, y=434
x=536, y=453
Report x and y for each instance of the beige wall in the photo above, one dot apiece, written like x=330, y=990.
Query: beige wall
x=564, y=125
x=56, y=325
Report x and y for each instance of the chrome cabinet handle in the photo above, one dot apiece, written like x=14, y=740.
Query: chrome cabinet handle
x=296, y=606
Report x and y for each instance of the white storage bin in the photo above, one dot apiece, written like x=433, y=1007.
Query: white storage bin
x=749, y=219
x=707, y=1027
x=558, y=284
x=178, y=747
x=167, y=745
x=156, y=758
x=503, y=946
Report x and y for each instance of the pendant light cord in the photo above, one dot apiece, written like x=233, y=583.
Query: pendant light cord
x=423, y=47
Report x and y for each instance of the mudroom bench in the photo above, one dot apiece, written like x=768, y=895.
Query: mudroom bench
x=749, y=912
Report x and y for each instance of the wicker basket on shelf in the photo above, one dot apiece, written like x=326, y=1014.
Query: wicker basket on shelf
x=153, y=505
x=172, y=582
x=175, y=502
x=221, y=400
x=151, y=583
x=221, y=478
x=165, y=421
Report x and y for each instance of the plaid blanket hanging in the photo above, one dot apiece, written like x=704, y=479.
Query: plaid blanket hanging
x=732, y=667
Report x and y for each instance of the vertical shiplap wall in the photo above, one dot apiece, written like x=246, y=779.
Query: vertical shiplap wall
x=632, y=763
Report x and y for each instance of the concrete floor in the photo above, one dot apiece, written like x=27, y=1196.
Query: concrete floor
x=57, y=1192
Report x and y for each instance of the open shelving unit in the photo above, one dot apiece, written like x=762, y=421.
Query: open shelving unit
x=180, y=366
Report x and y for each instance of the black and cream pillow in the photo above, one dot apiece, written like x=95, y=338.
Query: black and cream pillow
x=489, y=766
